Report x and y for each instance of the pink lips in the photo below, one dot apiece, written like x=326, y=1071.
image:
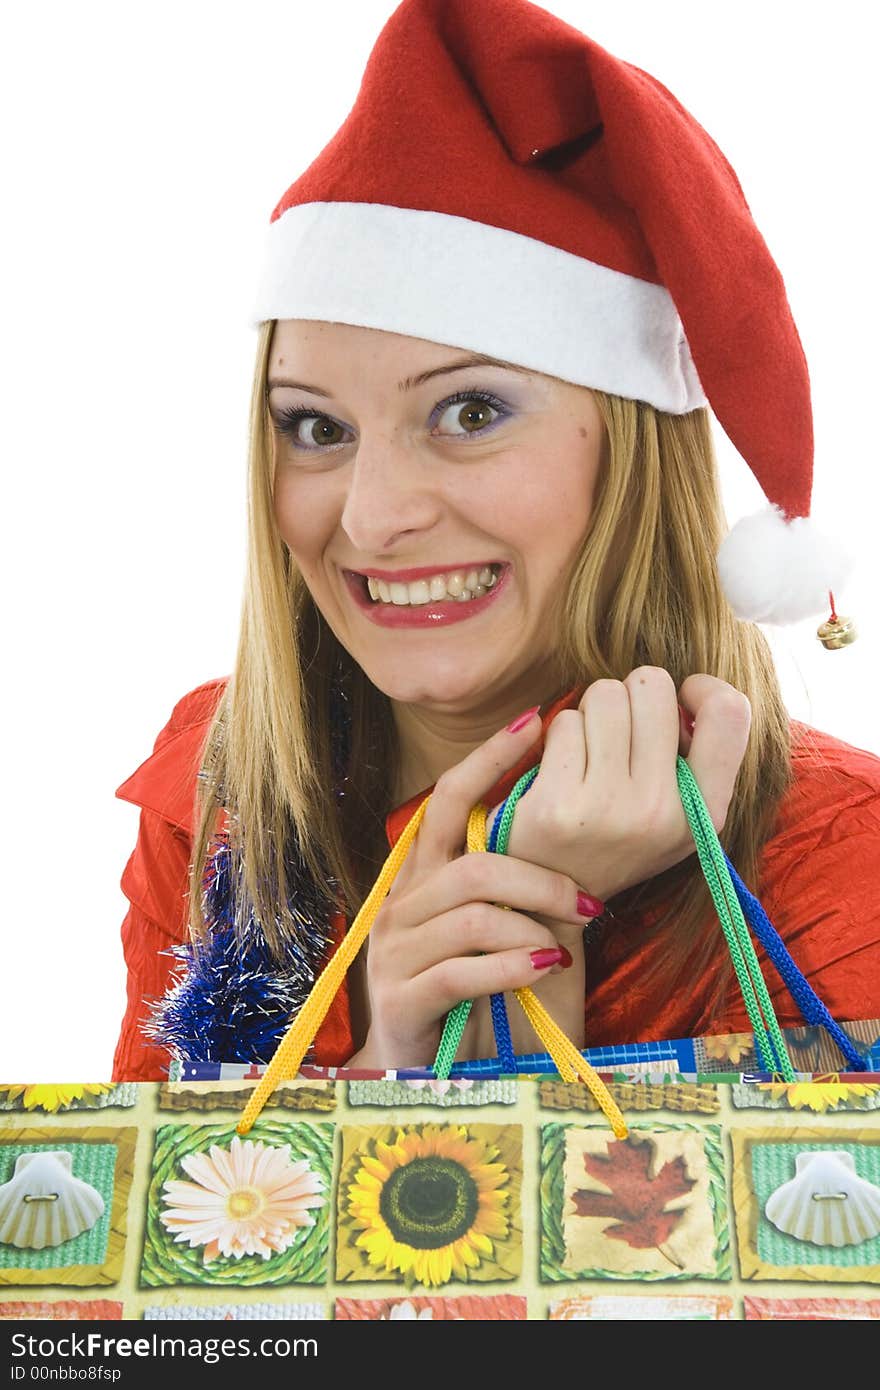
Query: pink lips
x=423, y=614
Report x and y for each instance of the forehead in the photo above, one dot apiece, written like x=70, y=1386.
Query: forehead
x=342, y=357
x=317, y=339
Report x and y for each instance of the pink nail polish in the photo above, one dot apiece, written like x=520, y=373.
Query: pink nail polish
x=550, y=955
x=522, y=720
x=588, y=906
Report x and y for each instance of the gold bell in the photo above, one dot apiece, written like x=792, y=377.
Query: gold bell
x=836, y=631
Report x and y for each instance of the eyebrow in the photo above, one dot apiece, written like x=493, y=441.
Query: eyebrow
x=409, y=383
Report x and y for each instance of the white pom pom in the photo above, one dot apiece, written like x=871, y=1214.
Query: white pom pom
x=778, y=571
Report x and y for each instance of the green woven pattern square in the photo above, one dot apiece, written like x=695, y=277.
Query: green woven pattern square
x=773, y=1165
x=93, y=1163
x=302, y=1258
x=445, y=1094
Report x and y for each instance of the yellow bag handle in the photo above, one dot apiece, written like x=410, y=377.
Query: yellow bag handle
x=289, y=1054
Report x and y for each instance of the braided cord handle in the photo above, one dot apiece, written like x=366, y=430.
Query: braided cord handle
x=801, y=991
x=570, y=1064
x=768, y=1035
x=458, y=1017
x=290, y=1051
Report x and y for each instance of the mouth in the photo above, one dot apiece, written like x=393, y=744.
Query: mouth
x=443, y=586
x=421, y=597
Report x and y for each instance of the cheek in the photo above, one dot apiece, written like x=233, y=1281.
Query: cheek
x=305, y=514
x=544, y=503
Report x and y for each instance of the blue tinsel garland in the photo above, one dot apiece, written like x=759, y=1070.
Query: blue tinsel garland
x=232, y=1001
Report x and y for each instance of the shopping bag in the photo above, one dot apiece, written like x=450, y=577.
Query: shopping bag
x=398, y=1197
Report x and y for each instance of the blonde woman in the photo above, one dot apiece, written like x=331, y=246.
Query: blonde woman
x=485, y=531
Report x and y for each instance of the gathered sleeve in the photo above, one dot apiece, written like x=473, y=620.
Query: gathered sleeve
x=156, y=878
x=822, y=894
x=155, y=881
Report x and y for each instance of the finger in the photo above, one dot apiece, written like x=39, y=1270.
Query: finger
x=442, y=831
x=607, y=723
x=472, y=977
x=655, y=725
x=487, y=878
x=565, y=751
x=470, y=930
x=722, y=720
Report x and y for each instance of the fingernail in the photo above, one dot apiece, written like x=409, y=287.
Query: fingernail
x=550, y=955
x=687, y=720
x=588, y=906
x=522, y=720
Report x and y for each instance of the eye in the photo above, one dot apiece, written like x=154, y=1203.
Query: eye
x=306, y=430
x=468, y=412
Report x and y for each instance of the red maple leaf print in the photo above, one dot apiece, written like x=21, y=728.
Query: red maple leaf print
x=636, y=1200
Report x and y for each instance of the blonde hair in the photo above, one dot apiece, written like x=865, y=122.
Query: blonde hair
x=644, y=590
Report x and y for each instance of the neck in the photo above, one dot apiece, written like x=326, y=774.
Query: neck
x=432, y=740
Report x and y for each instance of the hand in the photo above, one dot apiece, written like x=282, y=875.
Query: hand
x=605, y=806
x=424, y=949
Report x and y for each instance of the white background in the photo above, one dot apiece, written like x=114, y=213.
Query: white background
x=145, y=147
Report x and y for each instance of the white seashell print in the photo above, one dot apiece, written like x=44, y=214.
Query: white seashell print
x=43, y=1204
x=826, y=1202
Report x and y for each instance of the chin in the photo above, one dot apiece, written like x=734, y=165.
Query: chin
x=434, y=687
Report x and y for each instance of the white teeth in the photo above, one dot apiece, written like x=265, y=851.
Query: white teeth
x=459, y=585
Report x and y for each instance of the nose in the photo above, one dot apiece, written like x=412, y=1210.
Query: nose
x=390, y=496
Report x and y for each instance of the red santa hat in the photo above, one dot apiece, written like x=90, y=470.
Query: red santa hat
x=503, y=184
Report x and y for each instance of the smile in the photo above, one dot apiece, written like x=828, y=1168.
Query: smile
x=458, y=585
x=426, y=598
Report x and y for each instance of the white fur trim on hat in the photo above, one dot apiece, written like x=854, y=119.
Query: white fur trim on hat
x=470, y=285
x=778, y=571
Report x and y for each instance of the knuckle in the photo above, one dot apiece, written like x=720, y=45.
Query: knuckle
x=386, y=919
x=605, y=688
x=446, y=788
x=470, y=871
x=566, y=721
x=510, y=969
x=473, y=918
x=552, y=820
x=564, y=895
x=734, y=707
x=446, y=976
x=726, y=702
x=656, y=676
x=655, y=815
x=603, y=811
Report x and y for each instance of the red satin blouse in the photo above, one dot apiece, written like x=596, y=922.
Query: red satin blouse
x=818, y=882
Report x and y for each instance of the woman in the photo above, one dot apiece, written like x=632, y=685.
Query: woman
x=483, y=491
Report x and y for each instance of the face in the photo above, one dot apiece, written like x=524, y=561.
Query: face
x=434, y=502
